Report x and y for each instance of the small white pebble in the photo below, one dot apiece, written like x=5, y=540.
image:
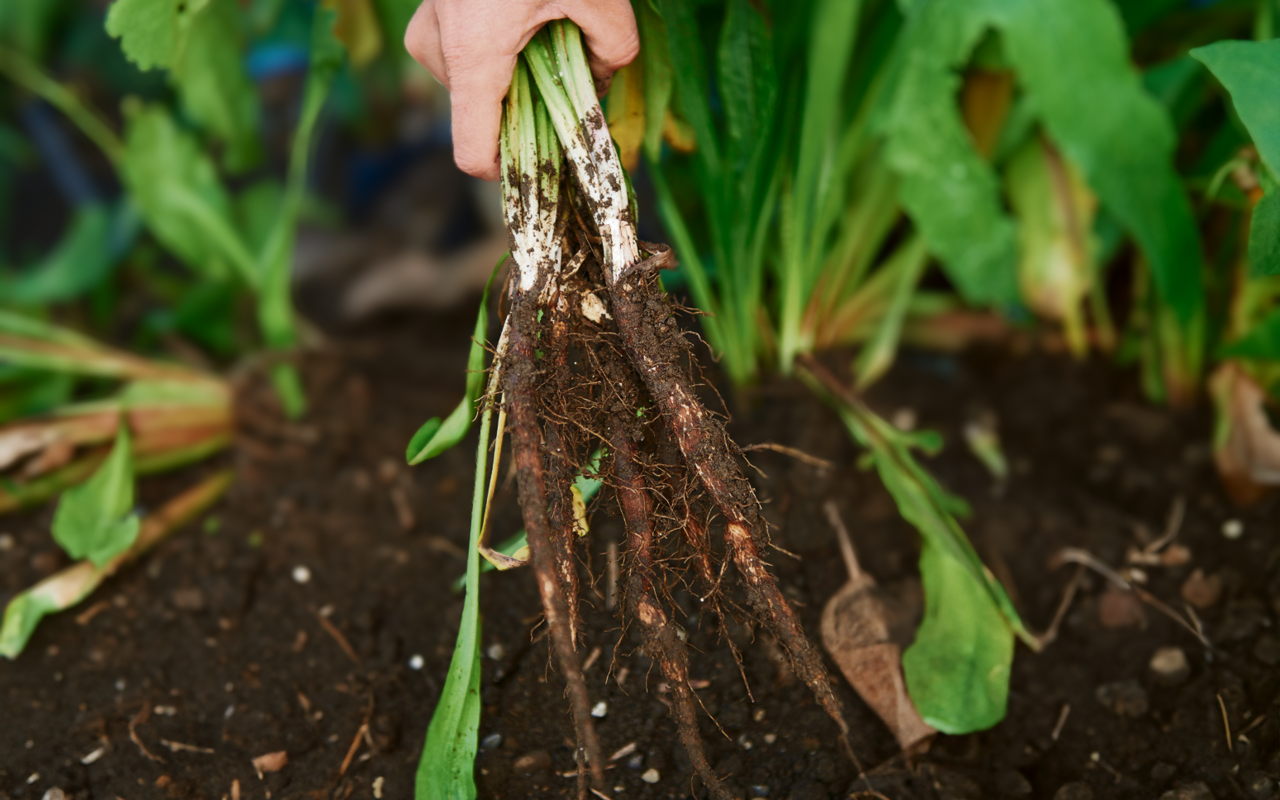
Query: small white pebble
x=759, y=715
x=30, y=744
x=54, y=794
x=1233, y=529
x=94, y=756
x=1095, y=756
x=416, y=661
x=600, y=709
x=746, y=743
x=770, y=738
x=35, y=776
x=496, y=652
x=651, y=775
x=301, y=574
x=619, y=788
x=904, y=419
x=6, y=542
x=231, y=709
x=230, y=687
x=120, y=684
x=491, y=742
x=165, y=711
x=377, y=787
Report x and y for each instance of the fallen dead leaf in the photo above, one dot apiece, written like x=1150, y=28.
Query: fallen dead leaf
x=856, y=630
x=1246, y=448
x=270, y=762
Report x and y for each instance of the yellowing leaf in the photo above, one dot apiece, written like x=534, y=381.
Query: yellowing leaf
x=358, y=29
x=1055, y=210
x=625, y=112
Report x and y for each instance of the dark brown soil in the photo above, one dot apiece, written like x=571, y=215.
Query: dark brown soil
x=216, y=654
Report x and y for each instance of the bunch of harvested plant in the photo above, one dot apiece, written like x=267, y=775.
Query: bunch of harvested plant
x=591, y=355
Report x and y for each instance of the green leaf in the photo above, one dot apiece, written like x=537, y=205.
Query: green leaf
x=288, y=386
x=1250, y=71
x=93, y=519
x=906, y=268
x=446, y=771
x=1264, y=236
x=1261, y=342
x=947, y=189
x=21, y=617
x=957, y=669
x=80, y=261
x=28, y=25
x=394, y=16
x=655, y=53
x=153, y=33
x=1106, y=124
x=748, y=85
x=214, y=86
x=1097, y=112
x=182, y=201
x=435, y=437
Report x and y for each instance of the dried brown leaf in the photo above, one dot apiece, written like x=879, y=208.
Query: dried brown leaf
x=1245, y=446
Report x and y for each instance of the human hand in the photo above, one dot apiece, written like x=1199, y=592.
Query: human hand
x=471, y=47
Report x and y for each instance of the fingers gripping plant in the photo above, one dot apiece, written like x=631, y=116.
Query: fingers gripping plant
x=589, y=351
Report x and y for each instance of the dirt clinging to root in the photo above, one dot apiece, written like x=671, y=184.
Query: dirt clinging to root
x=591, y=365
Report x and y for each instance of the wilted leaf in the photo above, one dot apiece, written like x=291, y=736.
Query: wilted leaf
x=93, y=519
x=625, y=112
x=858, y=630
x=358, y=30
x=1055, y=211
x=1246, y=448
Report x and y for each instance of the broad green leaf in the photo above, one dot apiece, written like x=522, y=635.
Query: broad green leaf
x=1264, y=236
x=1097, y=112
x=153, y=33
x=1106, y=125
x=80, y=261
x=1250, y=71
x=93, y=519
x=435, y=436
x=214, y=86
x=692, y=79
x=446, y=771
x=950, y=193
x=957, y=669
x=182, y=201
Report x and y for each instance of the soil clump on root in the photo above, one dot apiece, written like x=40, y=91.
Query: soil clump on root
x=588, y=365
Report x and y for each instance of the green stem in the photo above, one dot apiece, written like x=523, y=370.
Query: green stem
x=30, y=77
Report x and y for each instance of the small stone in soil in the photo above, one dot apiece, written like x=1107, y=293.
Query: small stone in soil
x=301, y=574
x=1267, y=650
x=1169, y=666
x=1125, y=698
x=54, y=794
x=496, y=652
x=1233, y=529
x=6, y=542
x=651, y=776
x=416, y=661
x=1076, y=790
x=1189, y=791
x=1202, y=591
x=636, y=761
x=491, y=742
x=531, y=762
x=1118, y=608
x=759, y=791
x=600, y=709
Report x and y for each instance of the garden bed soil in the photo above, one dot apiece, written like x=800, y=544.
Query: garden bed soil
x=311, y=611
